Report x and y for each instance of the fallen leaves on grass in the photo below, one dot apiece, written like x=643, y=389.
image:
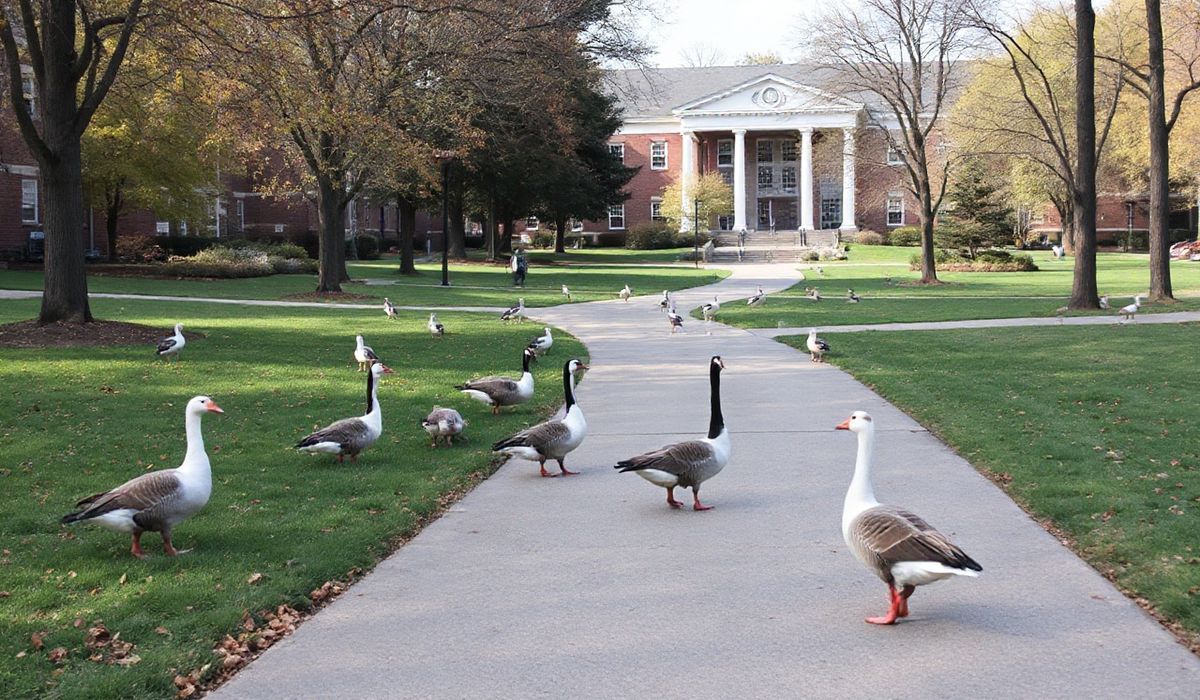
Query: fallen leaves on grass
x=254, y=579
x=108, y=648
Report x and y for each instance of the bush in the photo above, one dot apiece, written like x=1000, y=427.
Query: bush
x=367, y=247
x=810, y=256
x=140, y=248
x=230, y=262
x=655, y=235
x=1001, y=261
x=183, y=245
x=905, y=236
x=543, y=239
x=994, y=256
x=281, y=249
x=869, y=238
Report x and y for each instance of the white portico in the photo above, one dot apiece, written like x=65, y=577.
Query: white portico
x=773, y=181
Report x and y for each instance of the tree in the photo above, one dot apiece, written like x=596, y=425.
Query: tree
x=701, y=56
x=1084, y=294
x=978, y=217
x=710, y=189
x=75, y=58
x=760, y=58
x=908, y=55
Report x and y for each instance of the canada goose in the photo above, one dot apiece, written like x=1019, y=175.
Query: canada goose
x=502, y=391
x=350, y=436
x=555, y=438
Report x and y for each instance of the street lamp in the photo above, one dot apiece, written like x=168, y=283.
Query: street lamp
x=696, y=232
x=445, y=157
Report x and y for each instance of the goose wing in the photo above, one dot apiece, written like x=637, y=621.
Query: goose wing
x=348, y=432
x=886, y=535
x=148, y=494
x=541, y=437
x=687, y=460
x=492, y=386
x=167, y=343
x=369, y=353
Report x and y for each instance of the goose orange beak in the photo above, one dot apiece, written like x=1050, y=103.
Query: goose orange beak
x=213, y=407
x=388, y=370
x=844, y=425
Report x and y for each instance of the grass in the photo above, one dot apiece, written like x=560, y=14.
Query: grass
x=609, y=255
x=473, y=284
x=890, y=294
x=1092, y=428
x=77, y=421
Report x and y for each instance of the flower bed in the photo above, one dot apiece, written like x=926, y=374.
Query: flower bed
x=985, y=261
x=245, y=260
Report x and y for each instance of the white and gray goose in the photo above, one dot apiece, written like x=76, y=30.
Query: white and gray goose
x=502, y=391
x=515, y=313
x=172, y=344
x=436, y=329
x=350, y=436
x=901, y=548
x=555, y=438
x=363, y=354
x=160, y=500
x=443, y=423
x=691, y=463
x=542, y=344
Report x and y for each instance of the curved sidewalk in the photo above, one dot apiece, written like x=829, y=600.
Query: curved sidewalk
x=590, y=586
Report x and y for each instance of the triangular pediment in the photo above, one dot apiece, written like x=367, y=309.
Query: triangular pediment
x=768, y=93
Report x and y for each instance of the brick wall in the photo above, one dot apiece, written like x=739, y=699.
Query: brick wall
x=647, y=183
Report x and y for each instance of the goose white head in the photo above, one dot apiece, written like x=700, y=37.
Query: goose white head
x=547, y=329
x=858, y=422
x=812, y=332
x=358, y=340
x=178, y=328
x=200, y=405
x=379, y=369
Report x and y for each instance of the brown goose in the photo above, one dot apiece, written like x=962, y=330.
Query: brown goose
x=160, y=500
x=443, y=423
x=502, y=391
x=900, y=547
x=351, y=436
x=689, y=464
x=555, y=438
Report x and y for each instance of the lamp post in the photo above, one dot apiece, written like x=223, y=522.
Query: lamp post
x=445, y=157
x=696, y=232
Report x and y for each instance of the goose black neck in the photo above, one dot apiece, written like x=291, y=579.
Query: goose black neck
x=370, y=388
x=568, y=387
x=525, y=362
x=717, y=422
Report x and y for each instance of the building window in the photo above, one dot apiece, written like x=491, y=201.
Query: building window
x=725, y=153
x=893, y=155
x=895, y=209
x=617, y=150
x=766, y=177
x=29, y=95
x=658, y=155
x=727, y=176
x=162, y=228
x=616, y=217
x=240, y=208
x=831, y=203
x=656, y=209
x=788, y=151
x=531, y=223
x=725, y=222
x=29, y=201
x=788, y=179
x=766, y=150
x=1129, y=215
x=766, y=216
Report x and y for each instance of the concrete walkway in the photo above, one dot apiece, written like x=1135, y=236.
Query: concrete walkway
x=589, y=586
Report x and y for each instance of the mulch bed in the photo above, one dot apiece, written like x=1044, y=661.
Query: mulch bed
x=28, y=334
x=329, y=296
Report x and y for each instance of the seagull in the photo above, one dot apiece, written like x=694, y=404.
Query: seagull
x=389, y=308
x=758, y=299
x=566, y=292
x=710, y=309
x=1128, y=312
x=514, y=313
x=625, y=294
x=817, y=347
x=851, y=297
x=436, y=329
x=172, y=344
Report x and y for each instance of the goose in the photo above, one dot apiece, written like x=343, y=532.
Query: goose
x=851, y=297
x=900, y=547
x=820, y=271
x=502, y=391
x=436, y=329
x=1058, y=251
x=542, y=344
x=172, y=344
x=514, y=313
x=566, y=292
x=555, y=438
x=389, y=308
x=665, y=302
x=710, y=309
x=625, y=294
x=1128, y=312
x=363, y=354
x=758, y=299
x=817, y=347
x=443, y=423
x=675, y=320
x=1104, y=302
x=160, y=500
x=814, y=294
x=691, y=463
x=351, y=436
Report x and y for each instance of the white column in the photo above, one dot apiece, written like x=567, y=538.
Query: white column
x=848, y=182
x=806, y=180
x=687, y=171
x=739, y=179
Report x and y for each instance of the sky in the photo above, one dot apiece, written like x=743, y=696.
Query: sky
x=731, y=27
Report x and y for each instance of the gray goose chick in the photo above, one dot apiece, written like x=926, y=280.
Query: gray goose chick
x=443, y=423
x=350, y=436
x=502, y=391
x=691, y=463
x=901, y=548
x=160, y=500
x=555, y=438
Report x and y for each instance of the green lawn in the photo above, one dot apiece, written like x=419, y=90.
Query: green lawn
x=1092, y=428
x=77, y=421
x=609, y=255
x=889, y=293
x=472, y=284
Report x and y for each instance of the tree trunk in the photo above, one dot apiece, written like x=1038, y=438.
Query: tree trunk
x=331, y=238
x=1084, y=294
x=458, y=231
x=65, y=292
x=492, y=230
x=928, y=262
x=506, y=238
x=560, y=234
x=1160, y=244
x=406, y=222
x=113, y=203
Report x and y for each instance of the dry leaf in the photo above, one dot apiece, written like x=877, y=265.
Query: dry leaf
x=57, y=654
x=4, y=594
x=123, y=579
x=78, y=623
x=161, y=630
x=20, y=654
x=128, y=660
x=36, y=639
x=254, y=578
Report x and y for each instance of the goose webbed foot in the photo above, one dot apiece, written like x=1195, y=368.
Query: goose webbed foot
x=545, y=473
x=897, y=601
x=903, y=596
x=136, y=548
x=563, y=468
x=696, y=504
x=168, y=548
x=341, y=459
x=671, y=498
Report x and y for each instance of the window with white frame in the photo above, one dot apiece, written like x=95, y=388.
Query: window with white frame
x=787, y=178
x=658, y=155
x=29, y=94
x=893, y=155
x=617, y=150
x=895, y=209
x=616, y=217
x=162, y=228
x=531, y=223
x=724, y=153
x=29, y=201
x=240, y=205
x=576, y=226
x=766, y=150
x=656, y=209
x=787, y=151
x=766, y=177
